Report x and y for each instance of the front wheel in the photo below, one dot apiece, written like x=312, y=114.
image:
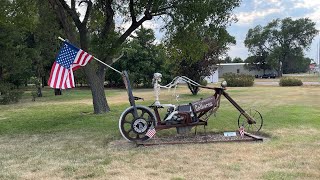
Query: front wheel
x=251, y=127
x=134, y=127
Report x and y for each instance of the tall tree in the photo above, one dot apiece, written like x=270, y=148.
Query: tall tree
x=198, y=59
x=227, y=59
x=17, y=22
x=237, y=60
x=280, y=39
x=142, y=58
x=45, y=38
x=177, y=14
x=257, y=62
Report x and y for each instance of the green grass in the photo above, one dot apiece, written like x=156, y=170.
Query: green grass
x=58, y=137
x=67, y=95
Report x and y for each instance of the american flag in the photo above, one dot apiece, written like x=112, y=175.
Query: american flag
x=241, y=131
x=151, y=132
x=69, y=59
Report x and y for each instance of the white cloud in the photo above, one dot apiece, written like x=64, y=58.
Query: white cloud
x=306, y=4
x=259, y=3
x=245, y=18
x=123, y=26
x=313, y=6
x=238, y=51
x=260, y=11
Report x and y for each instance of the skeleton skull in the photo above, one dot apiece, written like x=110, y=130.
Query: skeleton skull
x=157, y=77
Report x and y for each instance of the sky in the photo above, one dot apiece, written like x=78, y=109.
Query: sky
x=260, y=12
x=251, y=13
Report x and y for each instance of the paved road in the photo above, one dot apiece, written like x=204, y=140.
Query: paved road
x=277, y=83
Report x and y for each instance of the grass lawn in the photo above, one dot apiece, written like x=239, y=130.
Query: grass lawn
x=60, y=138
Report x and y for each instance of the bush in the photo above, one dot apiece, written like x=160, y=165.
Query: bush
x=9, y=94
x=204, y=82
x=238, y=80
x=290, y=82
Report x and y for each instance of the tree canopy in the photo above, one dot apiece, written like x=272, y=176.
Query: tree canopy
x=99, y=25
x=280, y=42
x=17, y=22
x=198, y=59
x=142, y=58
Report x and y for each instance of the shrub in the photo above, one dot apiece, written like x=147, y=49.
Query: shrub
x=204, y=82
x=290, y=82
x=238, y=80
x=9, y=94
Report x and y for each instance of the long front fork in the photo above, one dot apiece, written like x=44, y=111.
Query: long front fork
x=126, y=81
x=236, y=105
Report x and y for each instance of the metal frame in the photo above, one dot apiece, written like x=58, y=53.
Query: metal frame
x=199, y=117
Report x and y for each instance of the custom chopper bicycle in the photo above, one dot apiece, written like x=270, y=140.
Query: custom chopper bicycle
x=137, y=120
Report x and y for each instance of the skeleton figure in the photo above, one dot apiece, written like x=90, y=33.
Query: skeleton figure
x=156, y=86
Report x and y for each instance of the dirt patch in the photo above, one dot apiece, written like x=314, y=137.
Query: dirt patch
x=212, y=137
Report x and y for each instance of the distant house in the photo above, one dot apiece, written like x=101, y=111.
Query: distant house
x=314, y=68
x=237, y=68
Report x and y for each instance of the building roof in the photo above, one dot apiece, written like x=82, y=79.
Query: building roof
x=230, y=64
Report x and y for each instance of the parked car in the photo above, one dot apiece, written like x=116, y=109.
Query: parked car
x=268, y=76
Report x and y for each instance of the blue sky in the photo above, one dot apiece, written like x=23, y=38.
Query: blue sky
x=259, y=12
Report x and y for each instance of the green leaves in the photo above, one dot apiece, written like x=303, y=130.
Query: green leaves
x=142, y=58
x=279, y=40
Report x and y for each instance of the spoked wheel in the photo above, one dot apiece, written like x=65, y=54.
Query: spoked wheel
x=251, y=127
x=135, y=128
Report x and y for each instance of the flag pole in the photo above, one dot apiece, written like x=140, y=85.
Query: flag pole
x=60, y=38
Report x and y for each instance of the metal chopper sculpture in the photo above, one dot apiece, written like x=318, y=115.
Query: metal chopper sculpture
x=137, y=120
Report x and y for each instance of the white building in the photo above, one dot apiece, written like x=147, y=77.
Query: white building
x=237, y=68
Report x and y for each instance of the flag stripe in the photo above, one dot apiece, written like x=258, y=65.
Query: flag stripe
x=151, y=132
x=82, y=58
x=77, y=59
x=51, y=73
x=53, y=77
x=57, y=74
x=61, y=77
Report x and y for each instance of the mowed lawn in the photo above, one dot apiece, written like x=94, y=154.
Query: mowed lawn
x=60, y=138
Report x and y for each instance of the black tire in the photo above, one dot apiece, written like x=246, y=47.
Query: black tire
x=135, y=128
x=253, y=127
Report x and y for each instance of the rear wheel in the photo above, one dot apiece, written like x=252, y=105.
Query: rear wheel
x=251, y=127
x=135, y=128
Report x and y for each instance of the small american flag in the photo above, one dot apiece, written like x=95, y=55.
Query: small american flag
x=151, y=132
x=241, y=130
x=68, y=60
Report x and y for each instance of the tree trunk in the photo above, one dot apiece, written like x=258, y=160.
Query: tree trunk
x=96, y=83
x=57, y=92
x=0, y=73
x=194, y=89
x=39, y=92
x=95, y=79
x=280, y=72
x=43, y=81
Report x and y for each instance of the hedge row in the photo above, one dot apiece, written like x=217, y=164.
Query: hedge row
x=290, y=82
x=239, y=80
